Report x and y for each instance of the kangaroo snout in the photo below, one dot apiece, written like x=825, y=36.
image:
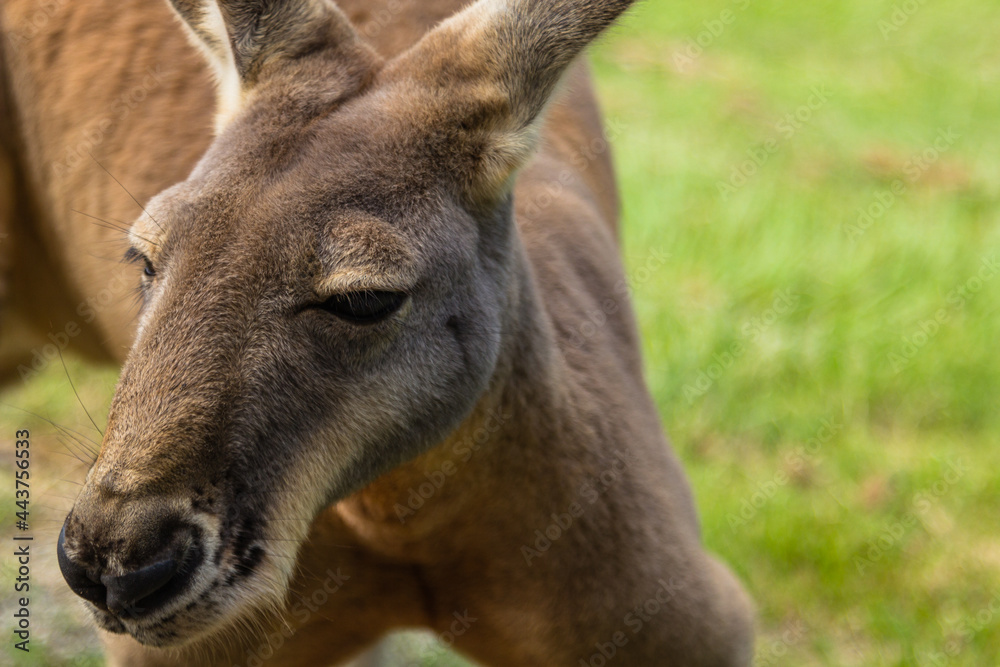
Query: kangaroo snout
x=126, y=562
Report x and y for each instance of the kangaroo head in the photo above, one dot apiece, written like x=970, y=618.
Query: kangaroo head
x=325, y=297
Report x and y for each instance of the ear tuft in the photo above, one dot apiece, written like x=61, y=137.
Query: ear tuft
x=241, y=39
x=207, y=31
x=495, y=65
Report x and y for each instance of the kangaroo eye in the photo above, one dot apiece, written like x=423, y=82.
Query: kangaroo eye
x=136, y=257
x=365, y=307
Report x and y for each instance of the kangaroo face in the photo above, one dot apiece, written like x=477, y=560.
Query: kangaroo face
x=301, y=333
x=323, y=299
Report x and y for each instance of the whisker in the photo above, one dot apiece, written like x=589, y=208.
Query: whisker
x=77, y=394
x=72, y=452
x=53, y=495
x=50, y=507
x=104, y=223
x=83, y=445
x=108, y=225
x=126, y=190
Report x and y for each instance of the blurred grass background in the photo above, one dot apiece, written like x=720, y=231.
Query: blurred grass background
x=843, y=448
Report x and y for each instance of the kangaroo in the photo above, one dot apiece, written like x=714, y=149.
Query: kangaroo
x=356, y=392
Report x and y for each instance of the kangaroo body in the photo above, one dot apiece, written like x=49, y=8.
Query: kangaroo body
x=544, y=523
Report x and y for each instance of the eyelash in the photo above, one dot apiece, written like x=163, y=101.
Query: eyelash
x=133, y=256
x=364, y=306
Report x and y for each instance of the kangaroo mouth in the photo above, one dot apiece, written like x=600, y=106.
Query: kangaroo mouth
x=214, y=583
x=146, y=618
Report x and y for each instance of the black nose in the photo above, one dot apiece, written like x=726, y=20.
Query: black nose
x=134, y=593
x=87, y=587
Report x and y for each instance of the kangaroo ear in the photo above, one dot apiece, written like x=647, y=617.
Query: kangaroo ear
x=493, y=67
x=242, y=39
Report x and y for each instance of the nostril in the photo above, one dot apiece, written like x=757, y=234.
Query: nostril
x=126, y=591
x=133, y=593
x=76, y=576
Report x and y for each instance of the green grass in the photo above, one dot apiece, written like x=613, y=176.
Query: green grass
x=858, y=544
x=840, y=354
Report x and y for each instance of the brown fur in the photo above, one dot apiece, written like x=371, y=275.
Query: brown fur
x=283, y=444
